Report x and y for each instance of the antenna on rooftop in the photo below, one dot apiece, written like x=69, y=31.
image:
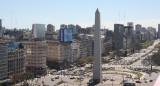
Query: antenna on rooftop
x=11, y=18
x=119, y=17
x=124, y=17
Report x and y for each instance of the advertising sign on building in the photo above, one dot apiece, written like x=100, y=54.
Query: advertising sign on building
x=65, y=35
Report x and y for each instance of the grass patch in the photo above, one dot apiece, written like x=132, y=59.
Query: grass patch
x=138, y=74
x=78, y=80
x=147, y=43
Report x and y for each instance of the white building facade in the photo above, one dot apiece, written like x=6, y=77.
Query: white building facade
x=38, y=30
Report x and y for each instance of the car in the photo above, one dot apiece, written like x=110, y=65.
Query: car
x=80, y=78
x=138, y=81
x=104, y=80
x=72, y=78
x=112, y=80
x=145, y=81
x=57, y=77
x=52, y=79
x=150, y=80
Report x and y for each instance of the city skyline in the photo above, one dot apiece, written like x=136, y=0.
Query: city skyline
x=22, y=14
x=76, y=56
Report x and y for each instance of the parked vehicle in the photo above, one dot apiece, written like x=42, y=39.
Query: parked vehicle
x=138, y=81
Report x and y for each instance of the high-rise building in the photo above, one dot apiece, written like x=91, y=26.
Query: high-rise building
x=138, y=28
x=158, y=30
x=74, y=51
x=130, y=29
x=16, y=59
x=152, y=33
x=50, y=28
x=85, y=47
x=97, y=63
x=38, y=30
x=35, y=56
x=0, y=28
x=118, y=36
x=3, y=60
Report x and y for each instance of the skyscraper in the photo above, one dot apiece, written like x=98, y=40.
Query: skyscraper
x=138, y=28
x=38, y=30
x=0, y=28
x=118, y=36
x=97, y=63
x=3, y=60
x=158, y=30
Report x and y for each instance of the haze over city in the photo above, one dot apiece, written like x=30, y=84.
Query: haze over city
x=23, y=13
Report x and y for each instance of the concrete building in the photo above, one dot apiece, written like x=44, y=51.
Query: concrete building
x=0, y=28
x=118, y=36
x=51, y=34
x=63, y=26
x=85, y=47
x=3, y=60
x=97, y=62
x=16, y=59
x=35, y=56
x=152, y=33
x=50, y=28
x=57, y=51
x=38, y=30
x=14, y=34
x=158, y=30
x=108, y=36
x=74, y=51
x=138, y=28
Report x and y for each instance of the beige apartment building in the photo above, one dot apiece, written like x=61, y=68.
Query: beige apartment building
x=35, y=56
x=57, y=51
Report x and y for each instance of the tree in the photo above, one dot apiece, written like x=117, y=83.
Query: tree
x=138, y=46
x=90, y=59
x=156, y=58
x=149, y=61
x=80, y=61
x=112, y=54
x=22, y=77
x=53, y=65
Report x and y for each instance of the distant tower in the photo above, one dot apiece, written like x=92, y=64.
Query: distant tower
x=0, y=28
x=97, y=63
x=158, y=30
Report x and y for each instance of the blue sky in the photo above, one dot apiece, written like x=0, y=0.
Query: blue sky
x=23, y=13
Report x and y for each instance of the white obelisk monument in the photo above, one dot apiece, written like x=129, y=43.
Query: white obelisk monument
x=97, y=62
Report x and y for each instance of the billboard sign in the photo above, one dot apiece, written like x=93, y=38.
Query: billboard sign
x=65, y=35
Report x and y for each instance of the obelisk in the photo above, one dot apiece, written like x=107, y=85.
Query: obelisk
x=97, y=62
